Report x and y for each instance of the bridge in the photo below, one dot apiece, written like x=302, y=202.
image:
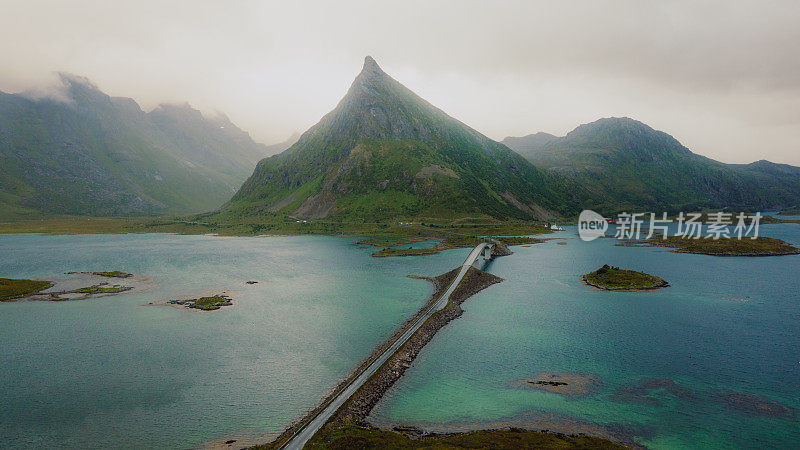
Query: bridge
x=302, y=435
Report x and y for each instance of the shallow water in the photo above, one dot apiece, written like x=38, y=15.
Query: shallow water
x=114, y=371
x=725, y=325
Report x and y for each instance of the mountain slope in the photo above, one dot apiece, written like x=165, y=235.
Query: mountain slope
x=385, y=153
x=617, y=164
x=98, y=155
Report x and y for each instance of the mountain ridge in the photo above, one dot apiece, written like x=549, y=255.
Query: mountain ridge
x=79, y=151
x=621, y=163
x=383, y=153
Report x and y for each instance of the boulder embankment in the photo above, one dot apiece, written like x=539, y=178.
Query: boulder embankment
x=358, y=407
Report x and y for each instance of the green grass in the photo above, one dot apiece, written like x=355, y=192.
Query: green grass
x=210, y=303
x=477, y=228
x=614, y=278
x=389, y=242
x=11, y=288
x=270, y=224
x=471, y=241
x=360, y=437
x=383, y=253
x=103, y=225
x=770, y=219
x=101, y=289
x=113, y=274
x=761, y=246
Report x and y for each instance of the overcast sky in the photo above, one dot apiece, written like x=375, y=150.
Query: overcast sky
x=723, y=77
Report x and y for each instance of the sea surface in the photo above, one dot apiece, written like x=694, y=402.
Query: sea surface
x=722, y=342
x=713, y=361
x=117, y=372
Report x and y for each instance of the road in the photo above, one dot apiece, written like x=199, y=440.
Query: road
x=299, y=439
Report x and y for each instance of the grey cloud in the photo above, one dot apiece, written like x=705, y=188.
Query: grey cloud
x=721, y=76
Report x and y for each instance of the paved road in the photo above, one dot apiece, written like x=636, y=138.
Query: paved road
x=298, y=441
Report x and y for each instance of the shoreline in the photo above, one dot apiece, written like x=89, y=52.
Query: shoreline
x=78, y=286
x=724, y=247
x=531, y=420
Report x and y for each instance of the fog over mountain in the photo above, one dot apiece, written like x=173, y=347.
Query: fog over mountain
x=723, y=76
x=87, y=153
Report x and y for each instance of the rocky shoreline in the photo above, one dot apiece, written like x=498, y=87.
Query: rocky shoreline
x=210, y=303
x=610, y=278
x=602, y=288
x=106, y=274
x=607, y=436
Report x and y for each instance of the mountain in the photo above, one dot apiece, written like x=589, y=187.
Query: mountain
x=385, y=153
x=617, y=164
x=87, y=153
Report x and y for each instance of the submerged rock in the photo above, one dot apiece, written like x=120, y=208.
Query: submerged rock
x=564, y=383
x=753, y=404
x=642, y=392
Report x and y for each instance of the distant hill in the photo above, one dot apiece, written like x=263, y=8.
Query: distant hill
x=617, y=164
x=91, y=154
x=280, y=147
x=385, y=153
x=529, y=143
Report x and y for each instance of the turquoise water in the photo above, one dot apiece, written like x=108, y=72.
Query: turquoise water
x=113, y=372
x=725, y=325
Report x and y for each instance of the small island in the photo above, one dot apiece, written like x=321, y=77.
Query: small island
x=102, y=288
x=769, y=219
x=113, y=274
x=761, y=246
x=210, y=303
x=13, y=288
x=106, y=274
x=392, y=251
x=611, y=278
x=390, y=241
x=75, y=286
